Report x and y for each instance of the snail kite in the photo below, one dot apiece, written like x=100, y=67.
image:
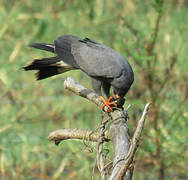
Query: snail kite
x=103, y=65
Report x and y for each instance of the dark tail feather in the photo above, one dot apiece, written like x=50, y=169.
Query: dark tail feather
x=48, y=67
x=47, y=72
x=38, y=64
x=44, y=46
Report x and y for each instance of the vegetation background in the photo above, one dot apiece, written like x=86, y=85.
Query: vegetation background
x=151, y=34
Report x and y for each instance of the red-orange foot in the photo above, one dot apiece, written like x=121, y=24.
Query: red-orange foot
x=117, y=96
x=108, y=103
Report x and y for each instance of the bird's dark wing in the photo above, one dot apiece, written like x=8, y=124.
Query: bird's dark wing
x=43, y=46
x=98, y=60
x=63, y=46
x=95, y=59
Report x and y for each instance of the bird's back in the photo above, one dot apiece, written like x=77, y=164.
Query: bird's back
x=95, y=59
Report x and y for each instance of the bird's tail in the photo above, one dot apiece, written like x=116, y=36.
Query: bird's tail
x=44, y=46
x=48, y=67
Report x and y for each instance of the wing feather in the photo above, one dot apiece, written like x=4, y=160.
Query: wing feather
x=98, y=60
x=93, y=58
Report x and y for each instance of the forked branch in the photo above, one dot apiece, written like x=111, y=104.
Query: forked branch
x=64, y=134
x=124, y=148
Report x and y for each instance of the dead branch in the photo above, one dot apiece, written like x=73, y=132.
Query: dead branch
x=119, y=134
x=80, y=90
x=121, y=143
x=64, y=134
x=100, y=158
x=133, y=146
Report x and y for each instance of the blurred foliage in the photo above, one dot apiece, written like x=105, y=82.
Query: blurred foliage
x=29, y=110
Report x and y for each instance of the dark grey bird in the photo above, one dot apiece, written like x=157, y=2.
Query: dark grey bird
x=103, y=65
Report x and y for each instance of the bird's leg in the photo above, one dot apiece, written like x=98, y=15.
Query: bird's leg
x=117, y=96
x=119, y=100
x=108, y=103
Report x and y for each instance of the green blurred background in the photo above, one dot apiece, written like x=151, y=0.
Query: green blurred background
x=30, y=110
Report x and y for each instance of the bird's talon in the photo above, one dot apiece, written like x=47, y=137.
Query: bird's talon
x=112, y=104
x=108, y=104
x=117, y=96
x=110, y=98
x=109, y=109
x=102, y=107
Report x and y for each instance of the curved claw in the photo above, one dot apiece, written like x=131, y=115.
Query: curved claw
x=117, y=96
x=108, y=103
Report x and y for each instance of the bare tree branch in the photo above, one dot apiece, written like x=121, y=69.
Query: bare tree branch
x=100, y=158
x=134, y=145
x=121, y=143
x=64, y=134
x=80, y=90
x=119, y=134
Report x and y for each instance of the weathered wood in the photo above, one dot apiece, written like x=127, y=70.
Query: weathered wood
x=80, y=90
x=124, y=148
x=119, y=134
x=64, y=134
x=126, y=163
